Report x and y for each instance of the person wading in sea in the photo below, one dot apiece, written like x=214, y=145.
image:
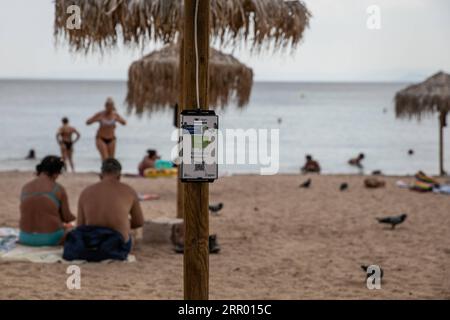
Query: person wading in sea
x=106, y=139
x=64, y=137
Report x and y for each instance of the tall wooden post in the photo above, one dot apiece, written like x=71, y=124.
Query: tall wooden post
x=181, y=105
x=195, y=195
x=442, y=124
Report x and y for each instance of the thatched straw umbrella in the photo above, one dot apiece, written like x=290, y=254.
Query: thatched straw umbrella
x=105, y=23
x=154, y=80
x=275, y=24
x=428, y=97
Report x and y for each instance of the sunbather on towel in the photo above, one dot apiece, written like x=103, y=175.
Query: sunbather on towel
x=44, y=206
x=110, y=203
x=421, y=176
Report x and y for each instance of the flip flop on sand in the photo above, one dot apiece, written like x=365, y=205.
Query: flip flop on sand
x=214, y=246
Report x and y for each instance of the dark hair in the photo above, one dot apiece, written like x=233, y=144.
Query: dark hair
x=361, y=155
x=151, y=153
x=50, y=165
x=65, y=120
x=308, y=157
x=111, y=166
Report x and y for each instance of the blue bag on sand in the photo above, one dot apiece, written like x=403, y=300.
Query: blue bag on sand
x=95, y=244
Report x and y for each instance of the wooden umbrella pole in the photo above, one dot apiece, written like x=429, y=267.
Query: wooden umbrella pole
x=181, y=106
x=195, y=195
x=442, y=124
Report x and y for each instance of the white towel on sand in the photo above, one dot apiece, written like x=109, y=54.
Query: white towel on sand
x=20, y=253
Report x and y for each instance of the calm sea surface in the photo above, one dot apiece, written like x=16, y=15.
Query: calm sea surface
x=333, y=122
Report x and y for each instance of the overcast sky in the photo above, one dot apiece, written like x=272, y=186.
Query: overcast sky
x=413, y=42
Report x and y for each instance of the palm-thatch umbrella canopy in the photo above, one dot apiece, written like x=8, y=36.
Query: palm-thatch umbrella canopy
x=428, y=97
x=154, y=80
x=105, y=22
x=273, y=24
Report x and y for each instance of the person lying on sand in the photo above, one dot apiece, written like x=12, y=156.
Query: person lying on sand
x=44, y=206
x=310, y=165
x=421, y=176
x=149, y=161
x=357, y=161
x=107, y=210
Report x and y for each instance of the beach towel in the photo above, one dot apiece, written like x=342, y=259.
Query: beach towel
x=402, y=184
x=95, y=244
x=443, y=189
x=8, y=239
x=11, y=251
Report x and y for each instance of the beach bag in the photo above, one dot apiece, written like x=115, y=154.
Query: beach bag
x=95, y=244
x=373, y=183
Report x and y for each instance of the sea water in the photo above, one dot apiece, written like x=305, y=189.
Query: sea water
x=331, y=121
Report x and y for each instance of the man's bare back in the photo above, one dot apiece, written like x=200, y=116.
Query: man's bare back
x=112, y=204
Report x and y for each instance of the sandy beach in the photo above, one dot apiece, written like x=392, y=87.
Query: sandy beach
x=278, y=242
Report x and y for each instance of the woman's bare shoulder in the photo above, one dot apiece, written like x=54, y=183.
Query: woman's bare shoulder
x=29, y=185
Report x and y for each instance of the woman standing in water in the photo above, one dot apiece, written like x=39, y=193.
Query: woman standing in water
x=65, y=141
x=106, y=139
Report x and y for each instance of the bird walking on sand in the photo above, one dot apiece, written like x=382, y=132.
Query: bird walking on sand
x=215, y=208
x=344, y=186
x=306, y=184
x=364, y=267
x=394, y=220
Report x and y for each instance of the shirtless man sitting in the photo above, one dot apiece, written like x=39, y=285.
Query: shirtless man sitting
x=108, y=207
x=110, y=203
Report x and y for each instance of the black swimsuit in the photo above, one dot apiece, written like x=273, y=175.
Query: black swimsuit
x=68, y=145
x=107, y=141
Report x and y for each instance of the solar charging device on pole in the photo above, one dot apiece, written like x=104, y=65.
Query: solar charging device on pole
x=199, y=141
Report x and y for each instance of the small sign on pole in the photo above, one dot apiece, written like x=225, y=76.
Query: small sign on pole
x=199, y=143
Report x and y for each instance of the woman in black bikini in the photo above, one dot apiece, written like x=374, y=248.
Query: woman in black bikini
x=106, y=139
x=64, y=138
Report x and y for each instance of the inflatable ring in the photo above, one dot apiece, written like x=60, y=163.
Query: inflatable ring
x=157, y=173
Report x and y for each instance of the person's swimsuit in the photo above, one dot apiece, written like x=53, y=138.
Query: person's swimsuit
x=107, y=141
x=68, y=145
x=107, y=123
x=42, y=239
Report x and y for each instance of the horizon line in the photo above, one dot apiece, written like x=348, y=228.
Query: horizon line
x=255, y=81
